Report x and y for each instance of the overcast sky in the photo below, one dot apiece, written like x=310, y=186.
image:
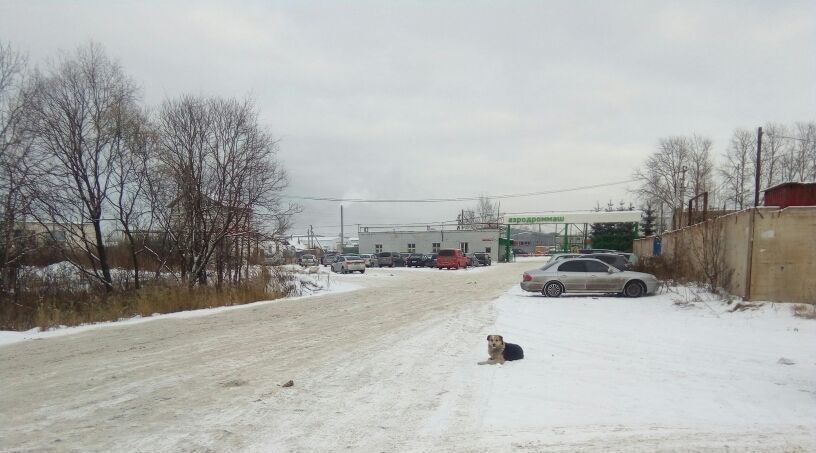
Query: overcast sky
x=399, y=99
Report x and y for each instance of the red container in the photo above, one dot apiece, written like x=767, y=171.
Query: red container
x=791, y=194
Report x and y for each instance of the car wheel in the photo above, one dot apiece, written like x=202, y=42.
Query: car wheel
x=552, y=289
x=633, y=289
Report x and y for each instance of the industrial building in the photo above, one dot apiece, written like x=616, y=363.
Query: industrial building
x=431, y=241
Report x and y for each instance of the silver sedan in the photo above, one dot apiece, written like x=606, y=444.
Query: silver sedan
x=587, y=275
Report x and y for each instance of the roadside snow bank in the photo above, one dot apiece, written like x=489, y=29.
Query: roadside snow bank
x=309, y=285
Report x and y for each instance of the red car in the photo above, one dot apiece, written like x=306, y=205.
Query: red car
x=451, y=259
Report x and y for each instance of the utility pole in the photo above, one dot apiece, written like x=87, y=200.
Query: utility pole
x=758, y=167
x=678, y=223
x=342, y=239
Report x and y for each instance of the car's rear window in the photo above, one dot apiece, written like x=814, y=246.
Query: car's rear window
x=385, y=254
x=447, y=253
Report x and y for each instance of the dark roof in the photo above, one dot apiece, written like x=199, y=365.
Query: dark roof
x=791, y=184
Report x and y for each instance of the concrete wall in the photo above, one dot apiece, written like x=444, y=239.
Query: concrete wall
x=643, y=247
x=784, y=258
x=397, y=241
x=781, y=263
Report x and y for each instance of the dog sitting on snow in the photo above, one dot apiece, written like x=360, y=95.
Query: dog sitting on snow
x=499, y=351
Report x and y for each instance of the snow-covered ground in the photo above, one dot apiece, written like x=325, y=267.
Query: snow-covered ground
x=653, y=373
x=392, y=367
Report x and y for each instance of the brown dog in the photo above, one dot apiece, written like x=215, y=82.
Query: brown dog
x=499, y=351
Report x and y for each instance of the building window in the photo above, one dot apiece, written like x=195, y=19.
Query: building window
x=487, y=249
x=463, y=246
x=377, y=248
x=435, y=247
x=411, y=247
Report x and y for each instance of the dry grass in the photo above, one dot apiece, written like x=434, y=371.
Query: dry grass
x=54, y=301
x=658, y=266
x=806, y=311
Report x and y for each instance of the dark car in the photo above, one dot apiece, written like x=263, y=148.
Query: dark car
x=590, y=251
x=430, y=260
x=613, y=259
x=328, y=258
x=390, y=259
x=484, y=258
x=416, y=260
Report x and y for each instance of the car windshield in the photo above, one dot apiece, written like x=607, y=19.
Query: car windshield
x=447, y=253
x=351, y=257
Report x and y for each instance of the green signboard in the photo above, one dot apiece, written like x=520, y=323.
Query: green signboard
x=546, y=219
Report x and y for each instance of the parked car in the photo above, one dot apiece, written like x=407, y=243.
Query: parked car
x=307, y=260
x=615, y=259
x=416, y=260
x=390, y=259
x=431, y=260
x=563, y=256
x=370, y=259
x=328, y=258
x=631, y=257
x=451, y=259
x=587, y=275
x=472, y=260
x=588, y=251
x=484, y=258
x=348, y=263
x=519, y=252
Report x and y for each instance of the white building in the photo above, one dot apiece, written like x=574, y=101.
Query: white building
x=431, y=241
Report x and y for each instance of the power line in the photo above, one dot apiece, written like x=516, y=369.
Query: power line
x=806, y=140
x=452, y=221
x=445, y=200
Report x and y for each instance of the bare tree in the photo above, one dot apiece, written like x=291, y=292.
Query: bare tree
x=77, y=118
x=487, y=213
x=15, y=165
x=701, y=166
x=663, y=176
x=775, y=146
x=129, y=184
x=738, y=168
x=225, y=171
x=804, y=150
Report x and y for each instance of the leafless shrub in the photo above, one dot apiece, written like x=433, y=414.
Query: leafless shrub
x=806, y=311
x=709, y=256
x=659, y=266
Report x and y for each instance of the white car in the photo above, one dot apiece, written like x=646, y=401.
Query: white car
x=348, y=263
x=370, y=260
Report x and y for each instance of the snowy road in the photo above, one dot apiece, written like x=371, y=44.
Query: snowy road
x=391, y=367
